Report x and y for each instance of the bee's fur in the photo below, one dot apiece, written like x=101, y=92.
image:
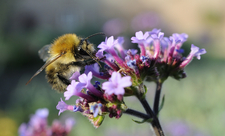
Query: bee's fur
x=59, y=78
x=66, y=55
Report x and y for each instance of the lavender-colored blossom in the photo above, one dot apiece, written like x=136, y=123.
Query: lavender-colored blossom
x=99, y=54
x=132, y=51
x=139, y=37
x=108, y=44
x=119, y=47
x=62, y=106
x=75, y=89
x=75, y=76
x=94, y=68
x=116, y=84
x=195, y=52
x=107, y=60
x=180, y=37
x=158, y=36
x=85, y=82
x=154, y=31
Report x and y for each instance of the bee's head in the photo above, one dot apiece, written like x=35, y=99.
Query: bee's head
x=86, y=49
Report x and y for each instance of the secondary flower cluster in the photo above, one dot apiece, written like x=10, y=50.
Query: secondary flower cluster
x=96, y=101
x=124, y=71
x=38, y=126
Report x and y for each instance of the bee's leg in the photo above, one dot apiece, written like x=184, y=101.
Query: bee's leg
x=82, y=63
x=63, y=79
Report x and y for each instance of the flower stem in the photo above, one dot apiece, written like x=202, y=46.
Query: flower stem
x=157, y=97
x=137, y=114
x=155, y=123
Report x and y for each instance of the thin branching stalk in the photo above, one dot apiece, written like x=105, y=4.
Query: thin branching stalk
x=157, y=97
x=155, y=122
x=137, y=114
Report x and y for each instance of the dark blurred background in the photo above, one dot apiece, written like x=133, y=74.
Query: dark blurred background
x=193, y=106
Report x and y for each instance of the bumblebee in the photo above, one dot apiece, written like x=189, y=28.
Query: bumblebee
x=66, y=55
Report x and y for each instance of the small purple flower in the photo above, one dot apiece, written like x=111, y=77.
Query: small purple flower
x=158, y=36
x=93, y=68
x=195, y=52
x=154, y=31
x=180, y=37
x=108, y=44
x=85, y=82
x=139, y=37
x=75, y=76
x=75, y=89
x=62, y=106
x=99, y=54
x=116, y=84
x=119, y=47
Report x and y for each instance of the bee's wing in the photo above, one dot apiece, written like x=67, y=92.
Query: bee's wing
x=45, y=65
x=44, y=52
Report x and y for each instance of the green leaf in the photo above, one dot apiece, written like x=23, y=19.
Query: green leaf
x=162, y=104
x=145, y=91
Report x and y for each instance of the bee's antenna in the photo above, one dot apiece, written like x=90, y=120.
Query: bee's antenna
x=85, y=39
x=100, y=33
x=93, y=58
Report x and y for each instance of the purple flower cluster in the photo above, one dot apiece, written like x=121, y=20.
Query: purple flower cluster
x=38, y=126
x=159, y=58
x=124, y=71
x=95, y=101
